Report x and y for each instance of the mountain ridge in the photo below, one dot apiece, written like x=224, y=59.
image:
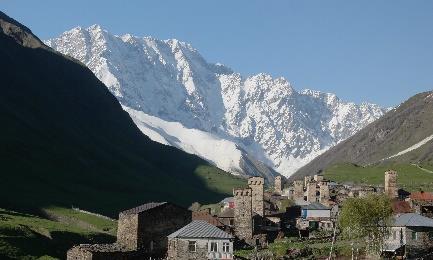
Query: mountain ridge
x=402, y=135
x=264, y=116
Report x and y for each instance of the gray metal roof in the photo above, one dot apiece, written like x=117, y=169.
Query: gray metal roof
x=412, y=220
x=143, y=207
x=316, y=206
x=200, y=229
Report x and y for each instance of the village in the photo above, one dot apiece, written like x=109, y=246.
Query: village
x=255, y=217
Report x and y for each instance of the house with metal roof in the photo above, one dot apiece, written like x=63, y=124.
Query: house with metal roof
x=410, y=235
x=200, y=240
x=315, y=216
x=315, y=211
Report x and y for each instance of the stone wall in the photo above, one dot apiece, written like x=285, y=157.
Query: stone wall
x=127, y=231
x=78, y=253
x=243, y=214
x=155, y=225
x=256, y=185
x=102, y=252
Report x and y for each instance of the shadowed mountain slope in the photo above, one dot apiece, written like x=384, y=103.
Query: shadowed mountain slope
x=65, y=140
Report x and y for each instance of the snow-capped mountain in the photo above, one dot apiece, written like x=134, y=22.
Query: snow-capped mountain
x=242, y=124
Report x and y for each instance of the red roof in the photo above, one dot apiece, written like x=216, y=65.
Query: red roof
x=422, y=195
x=401, y=207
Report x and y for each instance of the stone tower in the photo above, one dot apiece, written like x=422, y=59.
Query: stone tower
x=311, y=191
x=243, y=221
x=298, y=190
x=318, y=178
x=324, y=192
x=307, y=179
x=391, y=184
x=256, y=185
x=278, y=185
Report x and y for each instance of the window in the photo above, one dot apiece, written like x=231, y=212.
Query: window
x=414, y=235
x=192, y=246
x=232, y=222
x=226, y=247
x=394, y=235
x=213, y=247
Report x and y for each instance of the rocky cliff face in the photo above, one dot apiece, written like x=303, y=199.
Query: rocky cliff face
x=258, y=117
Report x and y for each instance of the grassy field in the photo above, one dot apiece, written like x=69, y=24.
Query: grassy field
x=26, y=236
x=315, y=249
x=410, y=177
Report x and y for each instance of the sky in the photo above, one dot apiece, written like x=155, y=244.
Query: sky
x=363, y=51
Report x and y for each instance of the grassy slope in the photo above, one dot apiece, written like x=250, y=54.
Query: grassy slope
x=319, y=249
x=396, y=131
x=25, y=236
x=410, y=177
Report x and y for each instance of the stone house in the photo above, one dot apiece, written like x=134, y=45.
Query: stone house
x=200, y=240
x=422, y=203
x=411, y=235
x=227, y=217
x=208, y=217
x=146, y=227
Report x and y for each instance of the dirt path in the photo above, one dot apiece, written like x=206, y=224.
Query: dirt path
x=421, y=168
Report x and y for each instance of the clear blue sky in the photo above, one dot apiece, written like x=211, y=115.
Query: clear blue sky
x=376, y=51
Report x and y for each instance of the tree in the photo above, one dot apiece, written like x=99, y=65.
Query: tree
x=195, y=206
x=368, y=218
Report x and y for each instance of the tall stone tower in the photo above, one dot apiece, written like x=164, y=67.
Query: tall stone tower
x=243, y=214
x=311, y=191
x=391, y=188
x=324, y=192
x=256, y=185
x=298, y=190
x=278, y=185
x=307, y=179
